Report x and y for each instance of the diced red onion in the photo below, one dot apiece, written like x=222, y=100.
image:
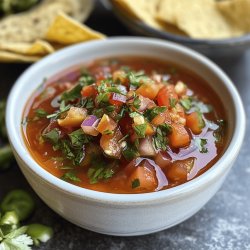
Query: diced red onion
x=146, y=147
x=123, y=89
x=119, y=97
x=145, y=103
x=89, y=125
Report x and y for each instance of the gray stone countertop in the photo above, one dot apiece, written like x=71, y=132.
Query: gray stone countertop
x=224, y=223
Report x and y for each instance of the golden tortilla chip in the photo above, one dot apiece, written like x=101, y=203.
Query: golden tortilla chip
x=33, y=24
x=238, y=11
x=143, y=10
x=37, y=48
x=199, y=19
x=13, y=57
x=65, y=30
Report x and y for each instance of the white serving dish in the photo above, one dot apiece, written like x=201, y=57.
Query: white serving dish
x=125, y=214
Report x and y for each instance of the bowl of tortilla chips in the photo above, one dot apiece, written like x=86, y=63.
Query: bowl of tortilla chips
x=213, y=27
x=44, y=28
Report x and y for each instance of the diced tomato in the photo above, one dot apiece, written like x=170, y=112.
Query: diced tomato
x=145, y=177
x=179, y=170
x=195, y=122
x=163, y=159
x=149, y=90
x=89, y=91
x=110, y=144
x=162, y=118
x=179, y=136
x=165, y=95
x=75, y=116
x=114, y=100
x=106, y=125
x=149, y=129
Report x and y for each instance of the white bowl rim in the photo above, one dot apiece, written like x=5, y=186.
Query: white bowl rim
x=130, y=199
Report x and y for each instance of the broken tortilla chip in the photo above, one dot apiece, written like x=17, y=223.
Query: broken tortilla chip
x=199, y=19
x=65, y=30
x=37, y=48
x=238, y=11
x=13, y=57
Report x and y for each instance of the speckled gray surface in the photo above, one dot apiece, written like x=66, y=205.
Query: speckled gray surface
x=224, y=223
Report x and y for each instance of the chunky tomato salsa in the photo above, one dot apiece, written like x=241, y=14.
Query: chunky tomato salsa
x=130, y=125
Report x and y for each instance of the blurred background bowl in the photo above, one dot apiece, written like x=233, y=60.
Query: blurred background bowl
x=232, y=47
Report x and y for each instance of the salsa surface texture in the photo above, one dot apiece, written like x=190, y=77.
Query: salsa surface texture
x=130, y=125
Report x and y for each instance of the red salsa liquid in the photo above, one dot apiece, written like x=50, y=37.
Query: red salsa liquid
x=165, y=167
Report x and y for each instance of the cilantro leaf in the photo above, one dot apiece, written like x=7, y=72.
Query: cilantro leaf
x=75, y=92
x=130, y=152
x=150, y=114
x=135, y=183
x=78, y=138
x=52, y=136
x=99, y=170
x=160, y=138
x=70, y=176
x=186, y=103
x=201, y=144
x=62, y=109
x=41, y=113
x=140, y=130
x=172, y=102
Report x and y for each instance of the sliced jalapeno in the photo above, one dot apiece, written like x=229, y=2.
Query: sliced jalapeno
x=39, y=233
x=20, y=202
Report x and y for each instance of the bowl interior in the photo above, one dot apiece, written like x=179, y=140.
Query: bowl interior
x=118, y=47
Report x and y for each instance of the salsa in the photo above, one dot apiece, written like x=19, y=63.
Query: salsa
x=127, y=125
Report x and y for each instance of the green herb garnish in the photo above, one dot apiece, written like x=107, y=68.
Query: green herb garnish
x=70, y=176
x=135, y=183
x=150, y=114
x=140, y=130
x=201, y=144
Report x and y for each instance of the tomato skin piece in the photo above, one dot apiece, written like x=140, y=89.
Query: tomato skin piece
x=165, y=94
x=179, y=137
x=88, y=91
x=195, y=122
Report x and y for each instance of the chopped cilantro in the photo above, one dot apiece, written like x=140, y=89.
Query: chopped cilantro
x=75, y=92
x=172, y=102
x=108, y=132
x=62, y=109
x=52, y=136
x=160, y=138
x=41, y=113
x=150, y=114
x=130, y=152
x=135, y=78
x=99, y=170
x=135, y=183
x=186, y=103
x=137, y=102
x=70, y=176
x=219, y=133
x=140, y=130
x=98, y=112
x=78, y=138
x=201, y=144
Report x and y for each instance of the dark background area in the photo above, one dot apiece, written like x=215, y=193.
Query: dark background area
x=224, y=223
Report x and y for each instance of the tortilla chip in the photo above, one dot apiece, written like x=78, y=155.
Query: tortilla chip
x=143, y=10
x=33, y=24
x=238, y=11
x=13, y=57
x=37, y=48
x=199, y=19
x=65, y=30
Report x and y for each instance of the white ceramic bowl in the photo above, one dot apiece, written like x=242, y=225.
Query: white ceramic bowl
x=125, y=214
